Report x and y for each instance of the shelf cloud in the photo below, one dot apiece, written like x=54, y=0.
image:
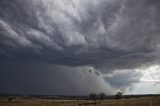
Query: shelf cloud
x=107, y=35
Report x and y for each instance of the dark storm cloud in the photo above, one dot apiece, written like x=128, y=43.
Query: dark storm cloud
x=113, y=36
x=122, y=34
x=40, y=78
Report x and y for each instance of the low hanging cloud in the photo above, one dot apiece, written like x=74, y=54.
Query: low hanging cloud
x=109, y=38
x=44, y=79
x=122, y=79
x=123, y=34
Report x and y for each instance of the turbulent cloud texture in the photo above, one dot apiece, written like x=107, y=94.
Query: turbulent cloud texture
x=108, y=35
x=79, y=32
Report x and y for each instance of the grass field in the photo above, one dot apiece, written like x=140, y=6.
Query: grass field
x=144, y=101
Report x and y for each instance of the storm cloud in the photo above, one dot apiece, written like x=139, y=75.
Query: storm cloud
x=80, y=32
x=107, y=35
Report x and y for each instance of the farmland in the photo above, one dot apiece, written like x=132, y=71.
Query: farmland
x=36, y=101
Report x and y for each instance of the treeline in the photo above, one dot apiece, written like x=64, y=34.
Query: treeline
x=91, y=96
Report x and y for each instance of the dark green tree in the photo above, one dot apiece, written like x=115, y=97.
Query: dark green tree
x=118, y=95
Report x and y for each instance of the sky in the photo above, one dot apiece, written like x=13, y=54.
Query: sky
x=78, y=47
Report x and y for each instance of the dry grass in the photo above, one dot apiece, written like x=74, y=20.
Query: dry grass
x=148, y=101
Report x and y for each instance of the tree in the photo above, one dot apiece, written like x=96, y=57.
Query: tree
x=93, y=97
x=118, y=95
x=102, y=96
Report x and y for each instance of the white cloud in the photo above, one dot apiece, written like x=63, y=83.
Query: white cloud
x=144, y=88
x=150, y=73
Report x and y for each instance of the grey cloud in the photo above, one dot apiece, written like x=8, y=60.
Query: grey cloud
x=122, y=79
x=95, y=33
x=40, y=78
x=111, y=37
